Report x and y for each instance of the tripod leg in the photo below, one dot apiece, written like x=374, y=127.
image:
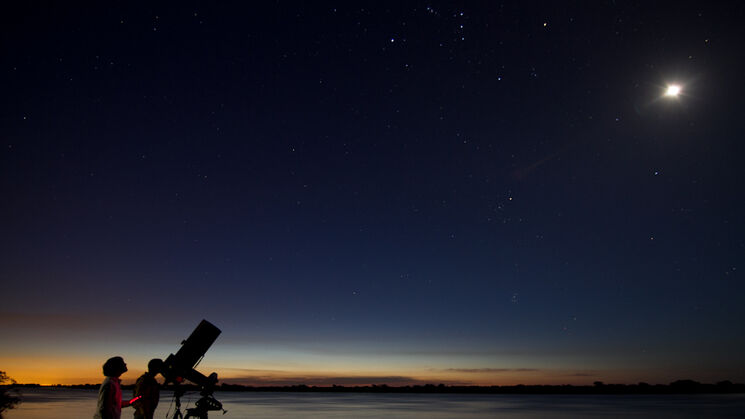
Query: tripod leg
x=198, y=415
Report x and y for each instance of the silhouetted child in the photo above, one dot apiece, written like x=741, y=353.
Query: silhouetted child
x=148, y=390
x=110, y=393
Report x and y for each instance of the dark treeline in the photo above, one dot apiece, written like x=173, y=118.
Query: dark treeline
x=676, y=387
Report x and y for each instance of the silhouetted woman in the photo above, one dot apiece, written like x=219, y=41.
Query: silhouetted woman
x=110, y=393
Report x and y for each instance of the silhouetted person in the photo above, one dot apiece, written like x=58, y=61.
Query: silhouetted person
x=149, y=390
x=110, y=393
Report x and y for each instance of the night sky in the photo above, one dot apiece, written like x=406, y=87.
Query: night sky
x=378, y=192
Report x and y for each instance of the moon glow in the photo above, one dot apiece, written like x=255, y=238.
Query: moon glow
x=673, y=90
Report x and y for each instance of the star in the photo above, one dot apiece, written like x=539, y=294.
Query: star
x=673, y=90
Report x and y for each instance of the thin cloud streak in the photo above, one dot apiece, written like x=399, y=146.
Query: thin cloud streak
x=485, y=370
x=323, y=381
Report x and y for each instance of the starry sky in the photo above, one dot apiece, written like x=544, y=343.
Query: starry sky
x=374, y=192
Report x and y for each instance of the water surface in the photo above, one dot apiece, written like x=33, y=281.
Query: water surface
x=46, y=403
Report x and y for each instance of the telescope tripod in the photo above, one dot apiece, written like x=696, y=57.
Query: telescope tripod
x=201, y=409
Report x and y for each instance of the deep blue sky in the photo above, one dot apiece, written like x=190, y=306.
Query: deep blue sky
x=486, y=192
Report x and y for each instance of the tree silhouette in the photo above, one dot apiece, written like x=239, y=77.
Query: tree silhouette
x=8, y=396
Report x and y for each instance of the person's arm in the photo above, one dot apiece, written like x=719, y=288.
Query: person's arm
x=137, y=394
x=130, y=402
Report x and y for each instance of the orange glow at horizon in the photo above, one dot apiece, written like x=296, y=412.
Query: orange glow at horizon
x=51, y=371
x=47, y=371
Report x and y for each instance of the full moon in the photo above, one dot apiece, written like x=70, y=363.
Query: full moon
x=672, y=91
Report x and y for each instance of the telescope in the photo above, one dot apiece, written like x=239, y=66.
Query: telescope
x=181, y=366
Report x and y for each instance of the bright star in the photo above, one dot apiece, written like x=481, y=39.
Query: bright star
x=673, y=90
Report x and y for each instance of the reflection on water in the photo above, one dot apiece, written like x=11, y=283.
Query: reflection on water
x=75, y=404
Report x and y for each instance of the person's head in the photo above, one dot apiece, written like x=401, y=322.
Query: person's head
x=114, y=367
x=154, y=366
